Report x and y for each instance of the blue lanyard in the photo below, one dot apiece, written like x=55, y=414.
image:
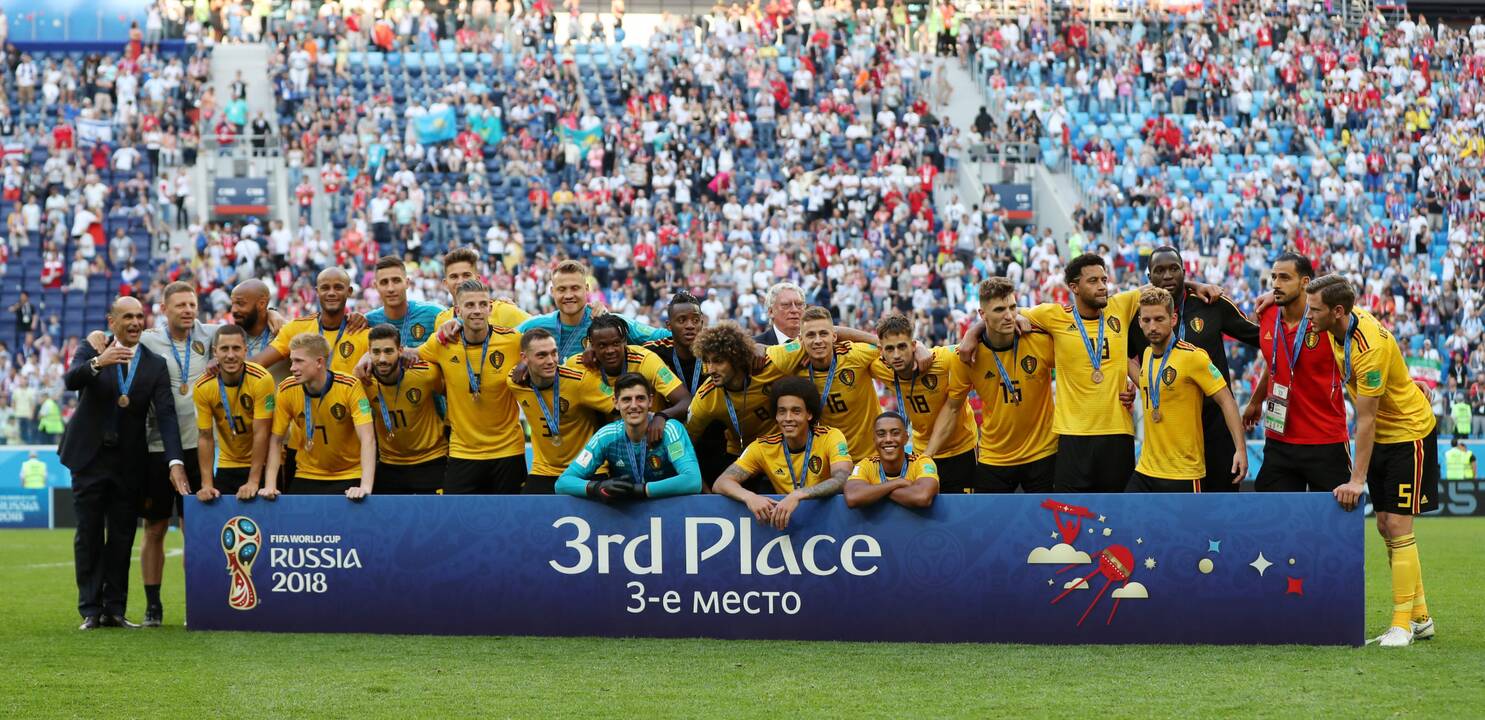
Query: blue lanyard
x=1291, y=349
x=1005, y=377
x=1093, y=350
x=382, y=400
x=563, y=335
x=829, y=379
x=637, y=460
x=896, y=385
x=1153, y=382
x=309, y=417
x=1181, y=317
x=227, y=406
x=695, y=371
x=253, y=348
x=804, y=471
x=475, y=379
x=338, y=334
x=1350, y=331
x=182, y=357
x=882, y=470
x=126, y=382
x=552, y=415
x=732, y=412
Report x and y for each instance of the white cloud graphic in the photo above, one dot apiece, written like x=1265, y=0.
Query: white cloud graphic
x=1076, y=583
x=1059, y=554
x=1132, y=591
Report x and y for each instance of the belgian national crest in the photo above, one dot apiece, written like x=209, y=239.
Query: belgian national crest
x=337, y=411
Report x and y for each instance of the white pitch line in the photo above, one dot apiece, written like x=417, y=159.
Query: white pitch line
x=35, y=566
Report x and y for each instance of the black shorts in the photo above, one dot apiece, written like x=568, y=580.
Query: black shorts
x=228, y=481
x=158, y=500
x=540, y=485
x=1093, y=463
x=1288, y=467
x=956, y=473
x=1036, y=476
x=419, y=479
x=1219, y=449
x=498, y=476
x=1142, y=483
x=309, y=486
x=1403, y=478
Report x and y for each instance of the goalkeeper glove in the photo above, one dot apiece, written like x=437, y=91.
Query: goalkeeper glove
x=610, y=489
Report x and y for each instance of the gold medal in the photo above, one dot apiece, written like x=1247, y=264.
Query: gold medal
x=123, y=401
x=556, y=441
x=184, y=389
x=1157, y=416
x=1097, y=376
x=476, y=395
x=309, y=445
x=391, y=434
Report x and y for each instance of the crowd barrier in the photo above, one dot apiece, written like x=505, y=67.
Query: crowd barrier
x=1066, y=569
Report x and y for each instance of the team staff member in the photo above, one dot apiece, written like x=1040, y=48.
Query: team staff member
x=415, y=321
x=1176, y=378
x=734, y=395
x=330, y=412
x=487, y=447
x=569, y=322
x=612, y=357
x=922, y=395
x=1306, y=444
x=785, y=311
x=412, y=450
x=1397, y=443
x=909, y=479
x=564, y=406
x=804, y=460
x=104, y=447
x=234, y=418
x=461, y=265
x=1204, y=325
x=251, y=313
x=1012, y=374
x=638, y=468
x=841, y=371
x=344, y=332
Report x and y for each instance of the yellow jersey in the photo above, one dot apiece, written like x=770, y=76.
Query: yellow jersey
x=754, y=419
x=916, y=468
x=336, y=450
x=1083, y=406
x=924, y=396
x=583, y=405
x=346, y=347
x=410, y=407
x=488, y=426
x=765, y=456
x=1173, y=448
x=852, y=404
x=250, y=399
x=665, y=348
x=502, y=314
x=1014, y=427
x=1377, y=369
x=637, y=359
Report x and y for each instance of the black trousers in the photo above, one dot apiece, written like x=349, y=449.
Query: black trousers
x=1093, y=463
x=1219, y=449
x=105, y=496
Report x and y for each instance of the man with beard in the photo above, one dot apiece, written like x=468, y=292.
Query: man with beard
x=733, y=394
x=412, y=450
x=564, y=406
x=234, y=417
x=613, y=357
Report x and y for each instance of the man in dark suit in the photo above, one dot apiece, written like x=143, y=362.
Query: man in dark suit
x=104, y=447
x=785, y=308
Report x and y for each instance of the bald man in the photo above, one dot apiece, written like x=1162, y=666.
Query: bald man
x=104, y=447
x=345, y=331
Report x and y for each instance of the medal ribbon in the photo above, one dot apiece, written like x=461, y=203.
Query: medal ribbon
x=1093, y=350
x=382, y=400
x=182, y=357
x=732, y=412
x=1154, y=381
x=1005, y=378
x=126, y=382
x=804, y=471
x=475, y=379
x=309, y=417
x=553, y=415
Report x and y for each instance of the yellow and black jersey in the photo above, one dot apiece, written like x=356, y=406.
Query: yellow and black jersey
x=1377, y=369
x=765, y=456
x=916, y=468
x=582, y=403
x=409, y=429
x=690, y=374
x=251, y=398
x=636, y=360
x=710, y=406
x=924, y=395
x=502, y=314
x=334, y=452
x=1016, y=408
x=1173, y=448
x=481, y=410
x=851, y=405
x=346, y=347
x=1085, y=407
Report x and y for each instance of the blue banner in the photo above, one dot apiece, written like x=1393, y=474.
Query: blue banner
x=437, y=127
x=25, y=508
x=1273, y=568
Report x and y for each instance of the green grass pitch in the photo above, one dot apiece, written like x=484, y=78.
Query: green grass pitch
x=49, y=669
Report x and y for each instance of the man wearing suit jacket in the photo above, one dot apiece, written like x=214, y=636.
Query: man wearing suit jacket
x=785, y=309
x=104, y=446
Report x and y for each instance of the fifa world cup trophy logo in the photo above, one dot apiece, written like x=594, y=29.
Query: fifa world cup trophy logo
x=241, y=541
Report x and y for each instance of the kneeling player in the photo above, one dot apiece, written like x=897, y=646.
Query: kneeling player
x=1175, y=378
x=638, y=468
x=1397, y=444
x=823, y=463
x=910, y=479
x=234, y=414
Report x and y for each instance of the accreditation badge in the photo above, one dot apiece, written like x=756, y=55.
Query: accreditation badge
x=1276, y=411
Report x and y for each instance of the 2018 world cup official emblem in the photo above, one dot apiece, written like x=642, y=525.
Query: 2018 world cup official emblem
x=241, y=541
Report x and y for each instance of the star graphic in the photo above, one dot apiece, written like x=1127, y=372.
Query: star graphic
x=1139, y=541
x=1050, y=582
x=1054, y=535
x=1214, y=546
x=1103, y=518
x=1296, y=587
x=1149, y=563
x=1260, y=564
